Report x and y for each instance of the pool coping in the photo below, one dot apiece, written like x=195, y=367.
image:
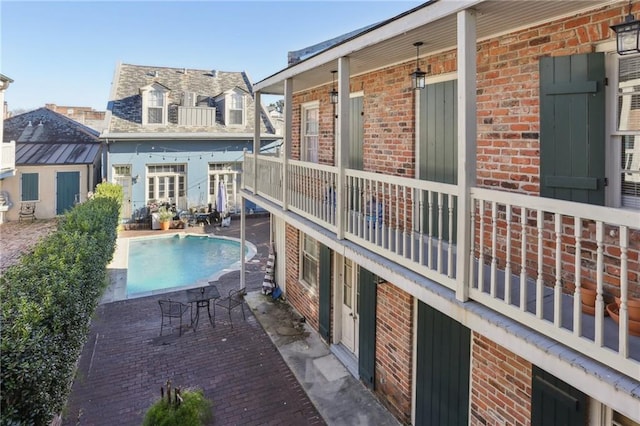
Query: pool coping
x=117, y=269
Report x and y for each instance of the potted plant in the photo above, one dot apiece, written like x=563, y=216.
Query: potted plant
x=165, y=216
x=179, y=408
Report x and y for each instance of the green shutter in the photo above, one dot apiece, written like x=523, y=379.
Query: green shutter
x=367, y=327
x=554, y=402
x=356, y=133
x=29, y=186
x=438, y=145
x=442, y=369
x=572, y=128
x=324, y=293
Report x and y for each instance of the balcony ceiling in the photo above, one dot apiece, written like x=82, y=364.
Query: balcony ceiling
x=434, y=24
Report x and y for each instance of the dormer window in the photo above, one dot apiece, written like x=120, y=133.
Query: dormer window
x=236, y=109
x=155, y=107
x=154, y=104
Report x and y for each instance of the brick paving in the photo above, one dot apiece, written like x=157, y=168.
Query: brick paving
x=17, y=238
x=125, y=362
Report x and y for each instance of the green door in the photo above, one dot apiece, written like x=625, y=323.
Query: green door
x=442, y=369
x=572, y=128
x=367, y=327
x=324, y=292
x=438, y=145
x=356, y=134
x=67, y=190
x=553, y=402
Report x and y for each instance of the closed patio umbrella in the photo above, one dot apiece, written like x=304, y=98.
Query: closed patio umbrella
x=221, y=200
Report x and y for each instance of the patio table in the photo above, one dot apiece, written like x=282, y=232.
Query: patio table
x=201, y=298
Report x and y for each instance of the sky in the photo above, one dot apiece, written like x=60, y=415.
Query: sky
x=66, y=52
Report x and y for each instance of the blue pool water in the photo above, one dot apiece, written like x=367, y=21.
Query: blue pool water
x=178, y=261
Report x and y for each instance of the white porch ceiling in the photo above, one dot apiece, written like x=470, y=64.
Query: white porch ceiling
x=435, y=24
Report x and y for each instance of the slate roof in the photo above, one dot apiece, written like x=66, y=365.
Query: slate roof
x=45, y=137
x=125, y=105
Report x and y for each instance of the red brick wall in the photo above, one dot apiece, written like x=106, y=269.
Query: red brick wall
x=394, y=331
x=326, y=138
x=508, y=88
x=304, y=300
x=500, y=385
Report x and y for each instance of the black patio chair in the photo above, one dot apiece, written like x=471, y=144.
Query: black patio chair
x=172, y=309
x=232, y=301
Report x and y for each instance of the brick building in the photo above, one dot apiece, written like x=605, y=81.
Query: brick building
x=84, y=115
x=443, y=240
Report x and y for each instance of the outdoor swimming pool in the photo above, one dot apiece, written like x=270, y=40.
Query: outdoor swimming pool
x=158, y=264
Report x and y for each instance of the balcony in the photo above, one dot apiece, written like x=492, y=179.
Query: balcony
x=7, y=159
x=526, y=257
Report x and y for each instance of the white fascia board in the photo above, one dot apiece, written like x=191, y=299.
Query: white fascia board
x=184, y=136
x=419, y=18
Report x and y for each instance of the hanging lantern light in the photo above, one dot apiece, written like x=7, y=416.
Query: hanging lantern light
x=627, y=34
x=333, y=94
x=418, y=76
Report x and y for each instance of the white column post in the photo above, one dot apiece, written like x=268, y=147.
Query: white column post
x=286, y=149
x=342, y=141
x=243, y=224
x=467, y=124
x=256, y=139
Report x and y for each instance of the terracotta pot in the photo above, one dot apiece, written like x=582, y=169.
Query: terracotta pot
x=634, y=326
x=588, y=296
x=165, y=225
x=633, y=308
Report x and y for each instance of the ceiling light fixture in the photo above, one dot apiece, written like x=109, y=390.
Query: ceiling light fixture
x=418, y=76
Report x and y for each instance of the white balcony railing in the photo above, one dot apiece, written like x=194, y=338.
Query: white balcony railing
x=528, y=259
x=8, y=156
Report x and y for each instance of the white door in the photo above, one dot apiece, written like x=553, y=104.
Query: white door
x=350, y=297
x=125, y=182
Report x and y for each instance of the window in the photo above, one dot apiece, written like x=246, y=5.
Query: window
x=29, y=186
x=309, y=132
x=228, y=174
x=309, y=262
x=154, y=107
x=236, y=109
x=154, y=104
x=166, y=182
x=626, y=137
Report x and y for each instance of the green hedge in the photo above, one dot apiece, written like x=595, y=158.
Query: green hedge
x=48, y=299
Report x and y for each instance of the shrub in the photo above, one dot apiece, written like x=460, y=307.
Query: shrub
x=194, y=410
x=48, y=299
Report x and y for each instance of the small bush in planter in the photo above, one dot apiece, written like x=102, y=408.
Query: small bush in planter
x=164, y=214
x=186, y=408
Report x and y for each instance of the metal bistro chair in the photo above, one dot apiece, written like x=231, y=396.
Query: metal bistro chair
x=172, y=309
x=233, y=300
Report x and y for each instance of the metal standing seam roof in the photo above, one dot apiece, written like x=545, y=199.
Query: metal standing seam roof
x=45, y=137
x=57, y=153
